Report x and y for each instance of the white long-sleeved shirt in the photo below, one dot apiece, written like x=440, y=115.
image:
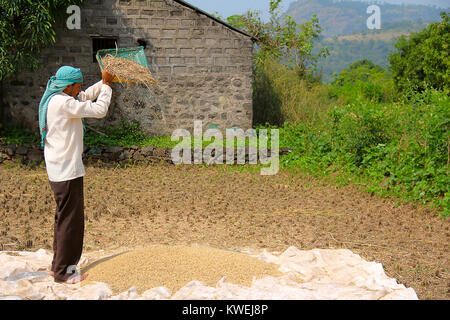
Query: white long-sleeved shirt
x=64, y=140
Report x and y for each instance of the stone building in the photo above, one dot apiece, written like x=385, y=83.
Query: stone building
x=203, y=65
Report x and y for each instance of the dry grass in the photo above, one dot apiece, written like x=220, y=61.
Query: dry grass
x=128, y=70
x=280, y=95
x=145, y=206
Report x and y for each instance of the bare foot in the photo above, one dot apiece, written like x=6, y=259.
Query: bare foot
x=75, y=280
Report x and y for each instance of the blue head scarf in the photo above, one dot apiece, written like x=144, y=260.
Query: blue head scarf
x=64, y=77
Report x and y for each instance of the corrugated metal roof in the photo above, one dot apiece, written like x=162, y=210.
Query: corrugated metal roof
x=184, y=3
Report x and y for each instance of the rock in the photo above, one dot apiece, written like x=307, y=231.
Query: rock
x=113, y=153
x=106, y=157
x=10, y=150
x=237, y=154
x=95, y=151
x=22, y=151
x=160, y=152
x=126, y=155
x=113, y=150
x=138, y=156
x=35, y=155
x=147, y=151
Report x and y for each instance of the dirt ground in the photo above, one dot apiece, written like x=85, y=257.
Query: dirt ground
x=222, y=208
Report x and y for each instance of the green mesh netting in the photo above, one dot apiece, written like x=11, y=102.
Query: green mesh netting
x=136, y=54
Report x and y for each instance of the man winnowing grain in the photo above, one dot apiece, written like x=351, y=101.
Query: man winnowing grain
x=62, y=131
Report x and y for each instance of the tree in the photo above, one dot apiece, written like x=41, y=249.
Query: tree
x=26, y=27
x=282, y=39
x=360, y=71
x=363, y=79
x=422, y=60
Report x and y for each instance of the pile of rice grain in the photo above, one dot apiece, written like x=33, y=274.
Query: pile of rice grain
x=175, y=267
x=125, y=69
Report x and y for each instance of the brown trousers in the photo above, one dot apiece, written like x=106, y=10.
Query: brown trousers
x=69, y=227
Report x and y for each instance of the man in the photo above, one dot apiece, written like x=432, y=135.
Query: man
x=62, y=133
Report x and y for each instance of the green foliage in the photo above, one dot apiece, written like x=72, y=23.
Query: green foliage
x=393, y=149
x=357, y=128
x=282, y=39
x=130, y=133
x=363, y=80
x=423, y=60
x=127, y=133
x=18, y=135
x=362, y=70
x=284, y=66
x=27, y=26
x=217, y=15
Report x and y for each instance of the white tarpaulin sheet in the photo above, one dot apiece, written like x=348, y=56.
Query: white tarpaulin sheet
x=309, y=275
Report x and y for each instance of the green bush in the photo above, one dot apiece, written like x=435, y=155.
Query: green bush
x=397, y=149
x=363, y=81
x=423, y=60
x=359, y=127
x=18, y=135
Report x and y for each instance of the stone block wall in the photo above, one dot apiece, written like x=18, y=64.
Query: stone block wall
x=204, y=68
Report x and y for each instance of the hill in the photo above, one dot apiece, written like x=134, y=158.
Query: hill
x=345, y=32
x=348, y=17
x=374, y=45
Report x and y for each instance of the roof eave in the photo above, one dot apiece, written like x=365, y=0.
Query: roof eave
x=184, y=3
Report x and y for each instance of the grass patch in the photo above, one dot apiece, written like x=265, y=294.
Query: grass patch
x=397, y=149
x=18, y=135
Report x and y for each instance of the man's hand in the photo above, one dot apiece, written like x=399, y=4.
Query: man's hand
x=107, y=77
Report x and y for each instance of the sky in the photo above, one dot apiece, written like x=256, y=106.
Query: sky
x=227, y=8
